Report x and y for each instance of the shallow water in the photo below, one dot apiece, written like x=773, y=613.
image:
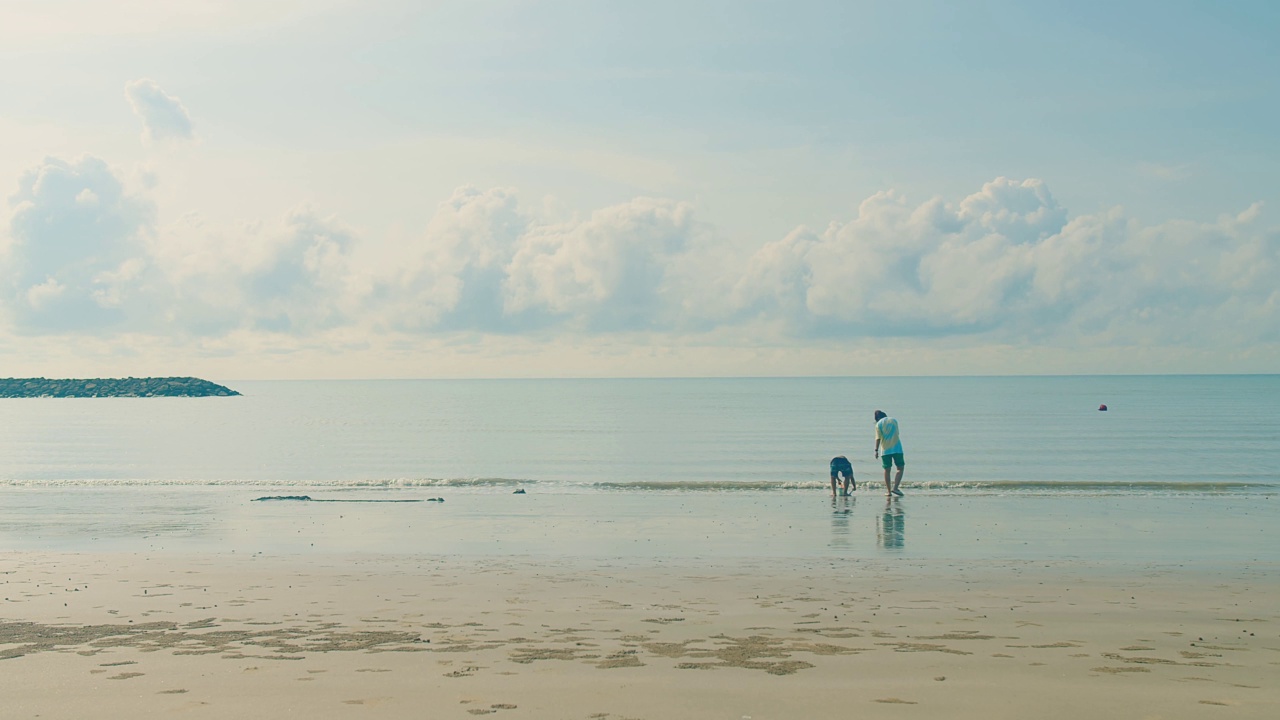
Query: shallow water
x=1161, y=434
x=1191, y=530
x=1180, y=469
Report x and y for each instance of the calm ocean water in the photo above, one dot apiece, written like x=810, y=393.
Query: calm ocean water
x=1018, y=434
x=1180, y=470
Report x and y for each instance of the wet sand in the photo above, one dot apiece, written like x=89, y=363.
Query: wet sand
x=133, y=635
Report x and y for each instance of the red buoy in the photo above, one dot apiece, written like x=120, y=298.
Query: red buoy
x=1102, y=408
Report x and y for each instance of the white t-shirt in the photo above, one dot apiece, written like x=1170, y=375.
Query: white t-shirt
x=887, y=434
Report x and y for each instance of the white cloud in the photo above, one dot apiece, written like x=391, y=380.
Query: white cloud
x=73, y=227
x=112, y=287
x=85, y=255
x=486, y=264
x=1019, y=211
x=1004, y=267
x=307, y=281
x=1006, y=264
x=163, y=116
x=40, y=296
x=609, y=272
x=453, y=276
x=295, y=276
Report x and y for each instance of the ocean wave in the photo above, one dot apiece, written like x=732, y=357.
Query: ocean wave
x=388, y=483
x=928, y=487
x=1092, y=486
x=710, y=485
x=956, y=486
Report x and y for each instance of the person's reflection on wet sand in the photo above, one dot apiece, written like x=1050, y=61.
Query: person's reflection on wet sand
x=891, y=526
x=842, y=510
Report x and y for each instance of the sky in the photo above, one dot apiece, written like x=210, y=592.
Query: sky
x=382, y=189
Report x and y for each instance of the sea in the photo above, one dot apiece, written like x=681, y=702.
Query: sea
x=1177, y=470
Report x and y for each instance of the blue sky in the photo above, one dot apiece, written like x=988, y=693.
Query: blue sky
x=330, y=188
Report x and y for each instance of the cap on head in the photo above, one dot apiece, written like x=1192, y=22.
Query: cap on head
x=880, y=415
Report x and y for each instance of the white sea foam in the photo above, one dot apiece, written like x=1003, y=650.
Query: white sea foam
x=930, y=487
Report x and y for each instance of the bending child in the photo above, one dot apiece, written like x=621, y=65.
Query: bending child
x=841, y=467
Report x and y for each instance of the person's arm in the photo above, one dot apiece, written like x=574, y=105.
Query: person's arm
x=877, y=441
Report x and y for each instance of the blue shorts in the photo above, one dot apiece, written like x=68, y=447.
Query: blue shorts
x=892, y=459
x=841, y=465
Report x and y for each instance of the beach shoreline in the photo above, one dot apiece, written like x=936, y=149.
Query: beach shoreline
x=1183, y=529
x=358, y=635
x=675, y=554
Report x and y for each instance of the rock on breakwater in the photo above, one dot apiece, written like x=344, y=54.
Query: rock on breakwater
x=112, y=387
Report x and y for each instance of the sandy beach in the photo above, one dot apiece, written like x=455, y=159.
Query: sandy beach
x=227, y=635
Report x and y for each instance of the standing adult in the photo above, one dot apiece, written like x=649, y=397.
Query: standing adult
x=889, y=450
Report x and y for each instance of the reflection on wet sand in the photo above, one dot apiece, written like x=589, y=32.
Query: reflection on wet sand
x=891, y=526
x=842, y=510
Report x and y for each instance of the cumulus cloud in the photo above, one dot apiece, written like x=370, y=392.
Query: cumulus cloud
x=484, y=263
x=86, y=255
x=293, y=276
x=77, y=247
x=609, y=272
x=1007, y=262
x=1004, y=266
x=308, y=281
x=452, y=278
x=163, y=116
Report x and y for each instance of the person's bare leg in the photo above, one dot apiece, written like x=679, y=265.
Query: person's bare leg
x=888, y=489
x=833, y=487
x=897, y=480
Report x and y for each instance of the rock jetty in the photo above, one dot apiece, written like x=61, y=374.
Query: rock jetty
x=112, y=387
